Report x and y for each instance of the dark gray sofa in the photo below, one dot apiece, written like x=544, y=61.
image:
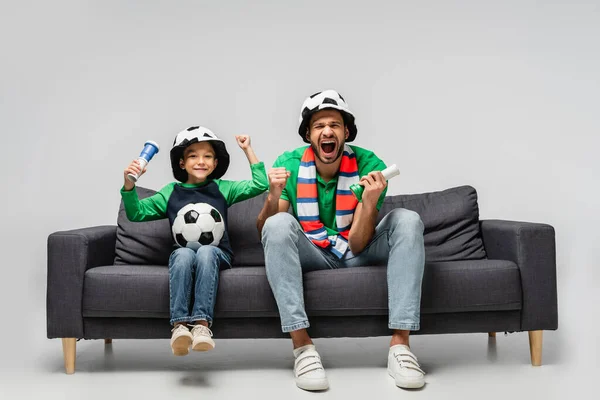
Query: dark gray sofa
x=111, y=282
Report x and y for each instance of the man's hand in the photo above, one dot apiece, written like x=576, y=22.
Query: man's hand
x=133, y=168
x=273, y=203
x=365, y=215
x=277, y=181
x=243, y=141
x=374, y=184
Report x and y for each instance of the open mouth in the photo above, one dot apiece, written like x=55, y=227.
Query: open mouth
x=327, y=147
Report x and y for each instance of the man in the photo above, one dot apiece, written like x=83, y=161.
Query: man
x=330, y=229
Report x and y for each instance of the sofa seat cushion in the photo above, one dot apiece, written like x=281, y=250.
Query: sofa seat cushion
x=452, y=286
x=126, y=291
x=143, y=291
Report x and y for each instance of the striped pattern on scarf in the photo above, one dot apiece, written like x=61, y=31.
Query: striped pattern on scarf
x=307, y=204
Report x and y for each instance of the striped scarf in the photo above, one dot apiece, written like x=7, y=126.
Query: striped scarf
x=345, y=202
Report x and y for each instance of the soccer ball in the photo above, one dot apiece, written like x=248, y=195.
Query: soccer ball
x=198, y=224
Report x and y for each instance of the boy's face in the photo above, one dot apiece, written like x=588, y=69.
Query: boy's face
x=199, y=162
x=327, y=135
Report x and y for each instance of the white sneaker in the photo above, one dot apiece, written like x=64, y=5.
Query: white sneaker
x=404, y=367
x=202, y=338
x=308, y=369
x=181, y=340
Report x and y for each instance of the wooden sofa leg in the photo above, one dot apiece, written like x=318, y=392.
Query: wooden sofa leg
x=69, y=346
x=535, y=347
x=107, y=341
x=492, y=334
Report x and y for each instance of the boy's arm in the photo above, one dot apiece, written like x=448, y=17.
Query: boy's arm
x=148, y=209
x=244, y=142
x=236, y=191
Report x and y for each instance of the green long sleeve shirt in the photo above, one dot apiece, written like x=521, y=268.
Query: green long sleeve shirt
x=155, y=206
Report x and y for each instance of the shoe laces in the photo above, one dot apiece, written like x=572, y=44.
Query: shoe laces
x=200, y=329
x=179, y=327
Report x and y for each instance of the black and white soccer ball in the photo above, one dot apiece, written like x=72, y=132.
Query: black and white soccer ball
x=198, y=224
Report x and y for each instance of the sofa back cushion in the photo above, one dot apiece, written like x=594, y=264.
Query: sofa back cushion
x=451, y=219
x=142, y=242
x=245, y=242
x=151, y=243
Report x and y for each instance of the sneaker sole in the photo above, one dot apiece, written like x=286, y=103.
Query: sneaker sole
x=181, y=346
x=407, y=383
x=203, y=346
x=313, y=385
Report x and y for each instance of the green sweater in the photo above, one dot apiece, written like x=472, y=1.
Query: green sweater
x=155, y=206
x=366, y=160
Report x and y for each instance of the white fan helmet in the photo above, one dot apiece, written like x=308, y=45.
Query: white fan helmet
x=322, y=100
x=195, y=134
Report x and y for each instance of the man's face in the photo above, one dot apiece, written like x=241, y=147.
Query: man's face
x=327, y=135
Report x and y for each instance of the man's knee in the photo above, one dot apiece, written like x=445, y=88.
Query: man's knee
x=279, y=226
x=406, y=221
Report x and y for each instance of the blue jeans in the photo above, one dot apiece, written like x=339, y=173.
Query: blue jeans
x=197, y=273
x=398, y=241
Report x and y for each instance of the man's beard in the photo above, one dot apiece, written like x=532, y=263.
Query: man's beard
x=317, y=151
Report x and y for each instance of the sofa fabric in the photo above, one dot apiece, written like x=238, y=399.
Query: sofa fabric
x=480, y=276
x=454, y=286
x=532, y=247
x=147, y=242
x=451, y=219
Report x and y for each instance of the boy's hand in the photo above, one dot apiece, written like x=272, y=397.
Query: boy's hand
x=133, y=168
x=243, y=141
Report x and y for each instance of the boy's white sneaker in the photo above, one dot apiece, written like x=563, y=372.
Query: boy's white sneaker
x=308, y=369
x=202, y=338
x=404, y=367
x=181, y=339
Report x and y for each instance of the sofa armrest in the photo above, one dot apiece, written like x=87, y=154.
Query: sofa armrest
x=532, y=247
x=70, y=254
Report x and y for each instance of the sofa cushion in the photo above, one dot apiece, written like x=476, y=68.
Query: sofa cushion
x=151, y=243
x=148, y=242
x=127, y=291
x=451, y=219
x=243, y=235
x=142, y=291
x=455, y=286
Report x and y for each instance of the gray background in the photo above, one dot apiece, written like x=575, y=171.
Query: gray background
x=503, y=96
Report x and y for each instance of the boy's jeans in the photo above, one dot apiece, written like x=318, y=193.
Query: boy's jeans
x=197, y=273
x=398, y=241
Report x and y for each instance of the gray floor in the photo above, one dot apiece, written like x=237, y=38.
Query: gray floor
x=468, y=366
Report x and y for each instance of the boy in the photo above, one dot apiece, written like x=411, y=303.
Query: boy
x=198, y=159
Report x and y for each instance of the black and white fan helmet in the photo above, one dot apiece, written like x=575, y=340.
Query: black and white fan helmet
x=195, y=134
x=326, y=99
